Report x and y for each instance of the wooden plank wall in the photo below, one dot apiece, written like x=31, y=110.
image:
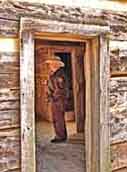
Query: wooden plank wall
x=10, y=13
x=42, y=106
x=9, y=103
x=14, y=10
x=118, y=99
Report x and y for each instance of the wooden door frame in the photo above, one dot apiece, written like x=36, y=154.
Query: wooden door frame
x=97, y=149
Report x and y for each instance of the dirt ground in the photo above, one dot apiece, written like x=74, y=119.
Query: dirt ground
x=60, y=157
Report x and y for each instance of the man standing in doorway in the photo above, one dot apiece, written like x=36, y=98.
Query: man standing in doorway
x=57, y=97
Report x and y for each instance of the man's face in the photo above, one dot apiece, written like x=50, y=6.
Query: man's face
x=53, y=68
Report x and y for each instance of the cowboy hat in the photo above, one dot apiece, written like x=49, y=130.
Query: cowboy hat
x=55, y=61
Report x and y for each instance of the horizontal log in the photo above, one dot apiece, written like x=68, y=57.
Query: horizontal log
x=115, y=20
x=38, y=25
x=9, y=28
x=118, y=84
x=12, y=67
x=118, y=56
x=9, y=105
x=118, y=110
x=91, y=15
x=9, y=150
x=118, y=32
x=9, y=80
x=15, y=132
x=9, y=94
x=9, y=119
x=119, y=155
x=6, y=57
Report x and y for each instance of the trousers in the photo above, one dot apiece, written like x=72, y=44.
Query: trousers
x=58, y=116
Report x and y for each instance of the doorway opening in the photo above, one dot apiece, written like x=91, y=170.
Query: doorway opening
x=69, y=154
x=97, y=142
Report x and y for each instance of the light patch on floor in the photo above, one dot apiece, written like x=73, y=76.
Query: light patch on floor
x=62, y=157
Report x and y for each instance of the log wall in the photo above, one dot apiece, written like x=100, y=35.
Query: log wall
x=118, y=122
x=9, y=111
x=10, y=13
x=118, y=101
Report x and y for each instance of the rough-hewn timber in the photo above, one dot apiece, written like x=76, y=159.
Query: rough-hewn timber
x=27, y=103
x=14, y=10
x=119, y=155
x=9, y=150
x=9, y=108
x=10, y=13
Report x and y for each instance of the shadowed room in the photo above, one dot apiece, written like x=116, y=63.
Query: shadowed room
x=70, y=152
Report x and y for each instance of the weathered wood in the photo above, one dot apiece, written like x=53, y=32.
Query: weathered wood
x=43, y=110
x=95, y=105
x=9, y=105
x=12, y=67
x=118, y=32
x=9, y=119
x=15, y=132
x=9, y=150
x=92, y=111
x=88, y=124
x=9, y=102
x=14, y=10
x=116, y=21
x=9, y=94
x=9, y=80
x=93, y=140
x=97, y=132
x=27, y=103
x=104, y=105
x=9, y=57
x=118, y=155
x=97, y=16
x=118, y=56
x=118, y=110
x=9, y=28
x=61, y=27
x=79, y=86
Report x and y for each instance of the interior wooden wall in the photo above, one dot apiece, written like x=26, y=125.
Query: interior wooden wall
x=43, y=108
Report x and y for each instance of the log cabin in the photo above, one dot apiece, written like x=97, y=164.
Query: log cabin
x=91, y=39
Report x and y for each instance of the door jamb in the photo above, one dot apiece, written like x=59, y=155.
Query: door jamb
x=97, y=88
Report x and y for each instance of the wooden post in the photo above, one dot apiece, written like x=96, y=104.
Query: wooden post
x=88, y=120
x=27, y=103
x=79, y=86
x=105, y=164
x=96, y=127
x=92, y=106
x=95, y=105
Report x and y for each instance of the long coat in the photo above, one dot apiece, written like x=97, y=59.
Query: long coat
x=57, y=96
